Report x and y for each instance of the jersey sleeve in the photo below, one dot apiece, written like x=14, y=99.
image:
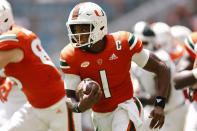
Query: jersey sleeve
x=2, y=80
x=71, y=81
x=141, y=58
x=135, y=45
x=195, y=48
x=9, y=41
x=67, y=63
x=190, y=46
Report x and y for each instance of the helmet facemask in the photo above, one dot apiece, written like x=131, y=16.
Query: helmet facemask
x=76, y=37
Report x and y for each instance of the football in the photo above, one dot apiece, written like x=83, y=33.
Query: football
x=85, y=86
x=88, y=85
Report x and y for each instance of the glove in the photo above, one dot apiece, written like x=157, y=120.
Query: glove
x=190, y=92
x=5, y=89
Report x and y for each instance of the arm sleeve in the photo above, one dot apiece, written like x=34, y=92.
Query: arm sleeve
x=135, y=45
x=195, y=48
x=71, y=81
x=67, y=65
x=2, y=80
x=141, y=58
x=8, y=41
x=189, y=46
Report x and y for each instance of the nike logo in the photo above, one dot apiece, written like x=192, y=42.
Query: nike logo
x=158, y=100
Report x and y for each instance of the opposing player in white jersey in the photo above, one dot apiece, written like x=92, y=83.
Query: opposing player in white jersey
x=175, y=108
x=171, y=39
x=12, y=102
x=181, y=58
x=189, y=78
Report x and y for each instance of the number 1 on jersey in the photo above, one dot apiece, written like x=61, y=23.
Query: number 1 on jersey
x=105, y=84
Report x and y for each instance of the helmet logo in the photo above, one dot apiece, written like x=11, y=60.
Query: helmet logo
x=76, y=12
x=102, y=12
x=97, y=14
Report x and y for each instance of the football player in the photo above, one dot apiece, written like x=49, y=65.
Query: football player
x=179, y=54
x=189, y=78
x=16, y=99
x=24, y=61
x=170, y=40
x=106, y=58
x=175, y=109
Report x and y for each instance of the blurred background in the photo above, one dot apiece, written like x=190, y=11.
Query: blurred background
x=47, y=18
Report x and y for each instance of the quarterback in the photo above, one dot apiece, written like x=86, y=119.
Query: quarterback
x=106, y=59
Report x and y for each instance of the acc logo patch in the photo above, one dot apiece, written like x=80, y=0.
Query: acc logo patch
x=85, y=64
x=100, y=61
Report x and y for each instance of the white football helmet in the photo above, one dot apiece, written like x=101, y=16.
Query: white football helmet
x=163, y=35
x=180, y=33
x=143, y=31
x=87, y=13
x=6, y=17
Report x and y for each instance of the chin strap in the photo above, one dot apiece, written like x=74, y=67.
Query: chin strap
x=86, y=48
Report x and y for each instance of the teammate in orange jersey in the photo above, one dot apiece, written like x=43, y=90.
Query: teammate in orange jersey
x=24, y=61
x=189, y=78
x=106, y=58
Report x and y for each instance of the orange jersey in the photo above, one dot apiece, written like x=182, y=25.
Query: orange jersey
x=110, y=68
x=2, y=80
x=190, y=44
x=36, y=75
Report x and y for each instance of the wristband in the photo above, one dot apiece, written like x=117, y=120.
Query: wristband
x=76, y=108
x=160, y=101
x=194, y=72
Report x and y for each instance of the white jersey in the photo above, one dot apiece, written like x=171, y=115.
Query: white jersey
x=146, y=81
x=191, y=119
x=175, y=109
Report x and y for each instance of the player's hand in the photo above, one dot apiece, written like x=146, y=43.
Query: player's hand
x=87, y=101
x=5, y=90
x=158, y=117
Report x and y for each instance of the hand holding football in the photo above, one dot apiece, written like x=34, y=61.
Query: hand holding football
x=89, y=85
x=88, y=93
